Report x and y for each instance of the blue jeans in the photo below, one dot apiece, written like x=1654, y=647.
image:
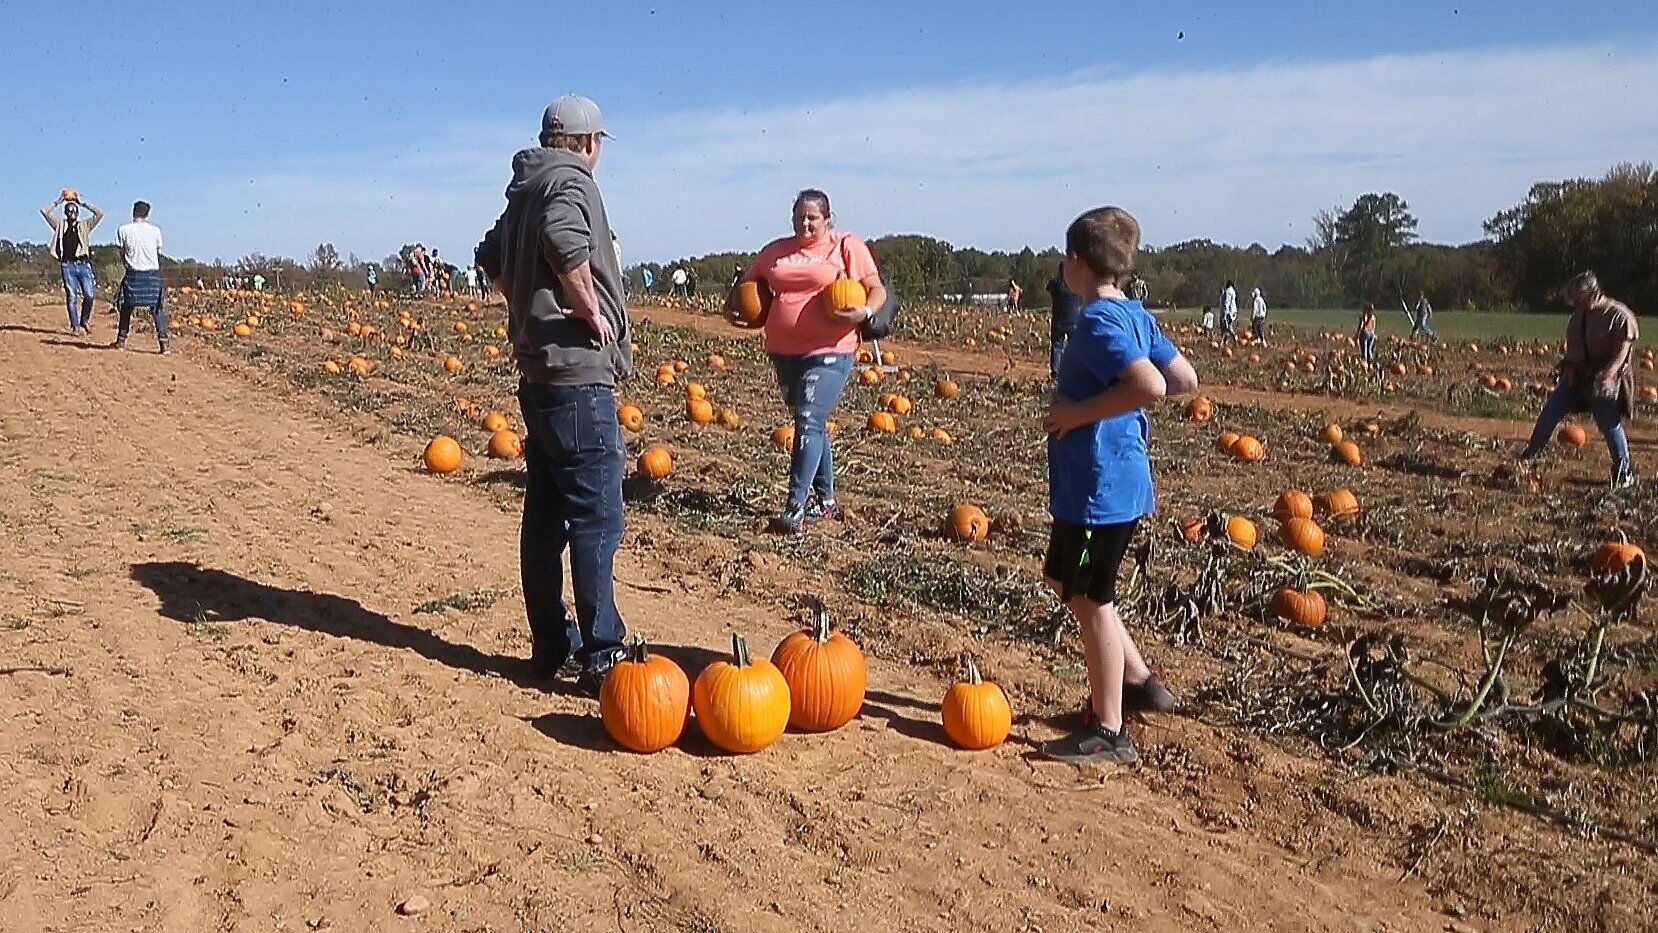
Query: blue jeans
x=1367, y=347
x=79, y=281
x=572, y=501
x=812, y=386
x=1563, y=401
x=1060, y=327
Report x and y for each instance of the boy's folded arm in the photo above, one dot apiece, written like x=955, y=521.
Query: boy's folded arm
x=1138, y=386
x=1179, y=377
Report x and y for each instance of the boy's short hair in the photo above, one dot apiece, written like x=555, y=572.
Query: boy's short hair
x=141, y=209
x=1105, y=239
x=1586, y=284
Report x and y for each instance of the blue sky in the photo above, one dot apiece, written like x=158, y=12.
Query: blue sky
x=275, y=128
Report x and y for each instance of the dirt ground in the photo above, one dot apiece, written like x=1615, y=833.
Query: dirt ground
x=221, y=710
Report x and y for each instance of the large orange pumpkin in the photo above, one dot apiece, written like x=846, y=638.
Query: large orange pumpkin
x=656, y=462
x=645, y=700
x=968, y=523
x=452, y=364
x=1200, y=409
x=443, y=455
x=1572, y=435
x=946, y=388
x=844, y=293
x=1292, y=503
x=1248, y=449
x=1339, y=503
x=782, y=437
x=826, y=673
x=631, y=417
x=1303, y=535
x=976, y=712
x=495, y=421
x=699, y=410
x=743, y=704
x=1613, y=556
x=1347, y=452
x=751, y=307
x=1305, y=608
x=506, y=445
x=1242, y=532
x=884, y=422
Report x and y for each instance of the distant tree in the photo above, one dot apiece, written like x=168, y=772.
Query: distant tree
x=325, y=258
x=1371, y=233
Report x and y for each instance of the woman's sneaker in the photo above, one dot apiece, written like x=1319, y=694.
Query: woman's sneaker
x=1623, y=476
x=828, y=511
x=1095, y=743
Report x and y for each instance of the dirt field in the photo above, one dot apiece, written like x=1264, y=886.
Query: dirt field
x=258, y=672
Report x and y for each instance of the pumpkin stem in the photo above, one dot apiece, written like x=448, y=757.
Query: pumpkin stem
x=973, y=676
x=639, y=654
x=820, y=621
x=739, y=650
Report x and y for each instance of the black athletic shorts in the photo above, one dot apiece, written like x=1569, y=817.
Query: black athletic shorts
x=1084, y=559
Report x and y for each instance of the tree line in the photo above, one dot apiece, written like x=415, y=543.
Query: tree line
x=1367, y=251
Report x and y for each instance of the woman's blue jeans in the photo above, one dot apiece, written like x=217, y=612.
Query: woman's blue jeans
x=1367, y=347
x=812, y=386
x=1563, y=401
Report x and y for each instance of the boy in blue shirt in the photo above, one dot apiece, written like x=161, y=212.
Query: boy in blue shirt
x=1118, y=363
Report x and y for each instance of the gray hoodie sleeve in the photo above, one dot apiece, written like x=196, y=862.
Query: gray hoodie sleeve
x=566, y=233
x=488, y=253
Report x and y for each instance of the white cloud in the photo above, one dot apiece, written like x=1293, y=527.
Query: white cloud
x=1239, y=155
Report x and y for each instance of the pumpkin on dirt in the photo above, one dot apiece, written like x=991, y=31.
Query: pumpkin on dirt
x=452, y=364
x=976, y=712
x=695, y=391
x=1332, y=433
x=495, y=421
x=443, y=454
x=968, y=523
x=826, y=673
x=782, y=437
x=900, y=405
x=1305, y=608
x=242, y=330
x=1292, y=503
x=742, y=705
x=1200, y=409
x=1347, y=452
x=1613, y=556
x=505, y=444
x=844, y=293
x=1302, y=535
x=1242, y=532
x=1339, y=503
x=941, y=436
x=699, y=410
x=1194, y=529
x=1226, y=440
x=1248, y=449
x=656, y=462
x=645, y=700
x=631, y=417
x=1572, y=435
x=716, y=362
x=883, y=422
x=871, y=376
x=730, y=420
x=946, y=388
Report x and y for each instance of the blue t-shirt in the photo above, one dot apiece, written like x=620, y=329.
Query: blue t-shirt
x=1100, y=473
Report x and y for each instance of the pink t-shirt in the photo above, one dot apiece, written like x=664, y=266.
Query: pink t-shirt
x=798, y=324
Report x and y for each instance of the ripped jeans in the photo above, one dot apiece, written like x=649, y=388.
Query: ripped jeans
x=812, y=386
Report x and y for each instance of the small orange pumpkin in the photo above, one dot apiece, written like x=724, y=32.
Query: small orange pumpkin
x=506, y=445
x=495, y=421
x=1339, y=503
x=1347, y=452
x=1613, y=556
x=1248, y=449
x=645, y=700
x=826, y=674
x=782, y=437
x=1200, y=409
x=946, y=388
x=968, y=523
x=1332, y=433
x=656, y=462
x=1242, y=532
x=730, y=420
x=699, y=410
x=1305, y=608
x=452, y=364
x=443, y=454
x=1572, y=435
x=976, y=712
x=1292, y=503
x=1226, y=440
x=883, y=422
x=742, y=705
x=631, y=417
x=844, y=293
x=1303, y=535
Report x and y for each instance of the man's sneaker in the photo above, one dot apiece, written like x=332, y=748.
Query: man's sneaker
x=119, y=344
x=1148, y=697
x=1623, y=476
x=791, y=522
x=828, y=511
x=591, y=678
x=1094, y=743
x=166, y=350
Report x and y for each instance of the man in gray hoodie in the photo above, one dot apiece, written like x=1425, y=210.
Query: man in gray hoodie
x=550, y=254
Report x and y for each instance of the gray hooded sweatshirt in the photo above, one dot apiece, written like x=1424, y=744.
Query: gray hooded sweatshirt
x=554, y=221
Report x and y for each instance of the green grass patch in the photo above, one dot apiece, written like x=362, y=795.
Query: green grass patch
x=463, y=602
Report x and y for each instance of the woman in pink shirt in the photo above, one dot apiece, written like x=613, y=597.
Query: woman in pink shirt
x=812, y=347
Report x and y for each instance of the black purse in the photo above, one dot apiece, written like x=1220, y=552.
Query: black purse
x=880, y=323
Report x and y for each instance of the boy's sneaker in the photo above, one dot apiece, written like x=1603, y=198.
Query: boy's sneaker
x=1095, y=743
x=791, y=522
x=1623, y=477
x=1148, y=697
x=828, y=511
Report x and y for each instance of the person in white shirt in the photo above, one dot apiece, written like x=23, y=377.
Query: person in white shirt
x=140, y=243
x=679, y=280
x=1229, y=311
x=1258, y=316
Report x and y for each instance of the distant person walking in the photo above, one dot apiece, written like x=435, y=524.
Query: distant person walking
x=1138, y=289
x=1421, y=322
x=71, y=246
x=1366, y=335
x=469, y=276
x=1013, y=294
x=258, y=281
x=679, y=279
x=1258, y=316
x=1229, y=310
x=1208, y=321
x=691, y=282
x=649, y=279
x=551, y=255
x=373, y=277
x=1066, y=305
x=1596, y=375
x=140, y=243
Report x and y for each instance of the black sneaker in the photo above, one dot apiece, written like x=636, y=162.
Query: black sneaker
x=1148, y=697
x=119, y=344
x=792, y=522
x=1095, y=743
x=828, y=511
x=591, y=678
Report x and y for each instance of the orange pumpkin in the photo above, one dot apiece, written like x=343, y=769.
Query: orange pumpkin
x=1339, y=503
x=1572, y=435
x=871, y=376
x=1292, y=503
x=1347, y=452
x=1200, y=409
x=884, y=422
x=1332, y=434
x=1248, y=449
x=1305, y=608
x=242, y=330
x=946, y=388
x=900, y=405
x=495, y=421
x=645, y=700
x=826, y=674
x=656, y=462
x=1303, y=535
x=730, y=420
x=942, y=436
x=844, y=293
x=1226, y=440
x=695, y=390
x=1194, y=529
x=452, y=364
x=716, y=362
x=783, y=437
x=750, y=307
x=1242, y=532
x=699, y=410
x=506, y=445
x=631, y=417
x=443, y=454
x=1613, y=556
x=968, y=523
x=976, y=712
x=743, y=704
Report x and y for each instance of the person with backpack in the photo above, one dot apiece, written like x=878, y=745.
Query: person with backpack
x=812, y=346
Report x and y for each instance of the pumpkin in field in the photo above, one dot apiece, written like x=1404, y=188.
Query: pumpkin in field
x=871, y=376
x=1200, y=409
x=946, y=388
x=1305, y=608
x=1572, y=435
x=844, y=293
x=1614, y=556
x=750, y=306
x=1226, y=440
x=782, y=437
x=656, y=462
x=1339, y=503
x=942, y=436
x=1248, y=449
x=695, y=391
x=900, y=405
x=1347, y=452
x=506, y=445
x=729, y=419
x=884, y=422
x=495, y=421
x=242, y=330
x=716, y=362
x=452, y=364
x=1332, y=434
x=1292, y=503
x=443, y=455
x=631, y=417
x=826, y=674
x=645, y=700
x=743, y=704
x=1242, y=532
x=1303, y=535
x=331, y=367
x=976, y=712
x=968, y=523
x=680, y=366
x=460, y=327
x=699, y=410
